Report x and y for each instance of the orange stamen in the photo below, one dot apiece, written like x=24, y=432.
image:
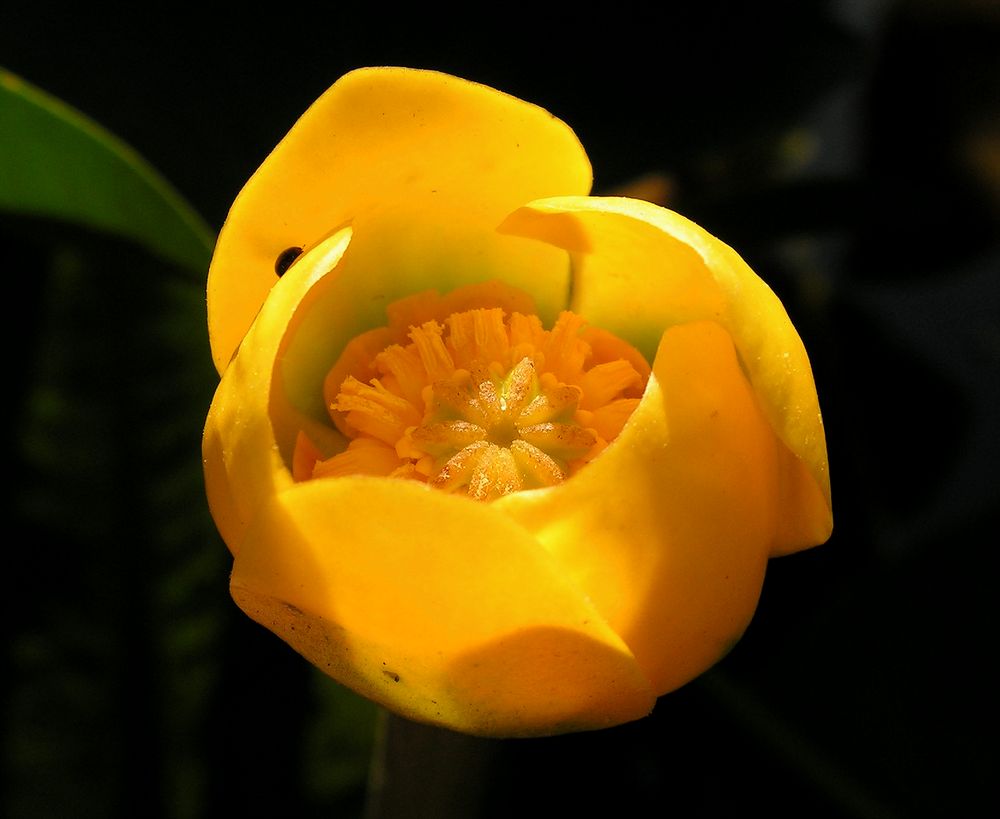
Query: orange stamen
x=481, y=400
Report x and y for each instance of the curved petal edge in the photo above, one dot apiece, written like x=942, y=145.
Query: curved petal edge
x=639, y=269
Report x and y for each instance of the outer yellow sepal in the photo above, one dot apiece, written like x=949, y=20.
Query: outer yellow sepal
x=669, y=530
x=437, y=606
x=639, y=269
x=244, y=464
x=381, y=140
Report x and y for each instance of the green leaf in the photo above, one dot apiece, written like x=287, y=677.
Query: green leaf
x=56, y=163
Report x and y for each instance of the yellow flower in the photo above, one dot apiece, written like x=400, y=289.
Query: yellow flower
x=638, y=559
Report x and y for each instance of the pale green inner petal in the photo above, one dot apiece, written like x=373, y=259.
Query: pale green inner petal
x=639, y=269
x=393, y=254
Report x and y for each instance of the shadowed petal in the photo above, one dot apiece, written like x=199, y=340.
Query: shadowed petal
x=436, y=606
x=668, y=531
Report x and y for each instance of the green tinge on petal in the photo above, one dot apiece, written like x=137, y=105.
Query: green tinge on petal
x=639, y=269
x=437, y=606
x=377, y=140
x=396, y=254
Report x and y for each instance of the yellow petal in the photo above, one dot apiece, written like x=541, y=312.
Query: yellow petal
x=416, y=153
x=437, y=607
x=384, y=262
x=668, y=530
x=274, y=387
x=243, y=461
x=638, y=269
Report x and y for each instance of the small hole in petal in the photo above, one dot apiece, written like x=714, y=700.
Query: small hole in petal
x=285, y=259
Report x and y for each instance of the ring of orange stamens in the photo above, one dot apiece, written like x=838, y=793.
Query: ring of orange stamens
x=484, y=402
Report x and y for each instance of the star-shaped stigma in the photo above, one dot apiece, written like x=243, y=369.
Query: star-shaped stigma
x=483, y=402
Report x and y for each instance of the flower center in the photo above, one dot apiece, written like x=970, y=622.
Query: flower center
x=485, y=402
x=495, y=433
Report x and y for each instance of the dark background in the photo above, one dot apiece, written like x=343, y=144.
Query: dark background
x=849, y=150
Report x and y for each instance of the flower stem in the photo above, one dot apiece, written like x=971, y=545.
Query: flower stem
x=421, y=771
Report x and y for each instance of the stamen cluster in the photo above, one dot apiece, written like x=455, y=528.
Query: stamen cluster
x=484, y=403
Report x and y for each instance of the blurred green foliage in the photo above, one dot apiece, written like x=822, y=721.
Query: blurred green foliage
x=56, y=163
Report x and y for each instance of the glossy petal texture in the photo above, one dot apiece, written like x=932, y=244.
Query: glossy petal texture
x=244, y=465
x=413, y=152
x=436, y=606
x=669, y=530
x=639, y=269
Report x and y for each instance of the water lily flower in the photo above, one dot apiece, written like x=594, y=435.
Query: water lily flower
x=497, y=454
